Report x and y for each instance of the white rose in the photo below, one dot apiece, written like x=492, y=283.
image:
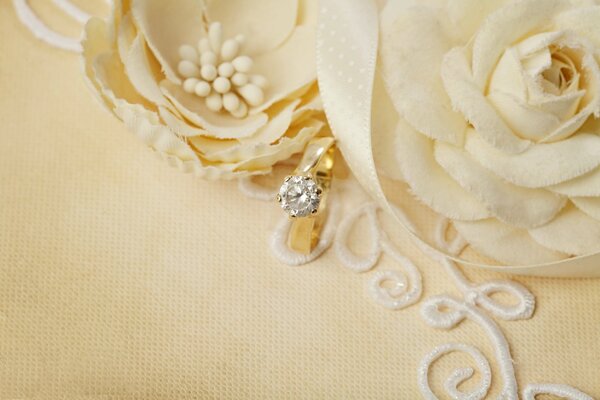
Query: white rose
x=149, y=64
x=498, y=105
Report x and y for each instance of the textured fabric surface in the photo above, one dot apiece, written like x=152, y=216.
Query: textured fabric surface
x=123, y=278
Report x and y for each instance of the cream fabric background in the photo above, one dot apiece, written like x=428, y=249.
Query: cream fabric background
x=123, y=278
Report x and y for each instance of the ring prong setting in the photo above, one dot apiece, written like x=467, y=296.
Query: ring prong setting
x=300, y=196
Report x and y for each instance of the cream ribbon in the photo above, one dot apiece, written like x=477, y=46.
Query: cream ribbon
x=347, y=41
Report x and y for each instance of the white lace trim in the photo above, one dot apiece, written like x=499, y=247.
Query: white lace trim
x=399, y=288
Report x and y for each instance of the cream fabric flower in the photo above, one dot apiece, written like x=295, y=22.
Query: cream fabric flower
x=499, y=104
x=132, y=62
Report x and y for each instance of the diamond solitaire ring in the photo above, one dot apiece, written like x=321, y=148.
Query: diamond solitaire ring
x=303, y=194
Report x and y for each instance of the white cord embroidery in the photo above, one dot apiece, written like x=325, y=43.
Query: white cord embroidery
x=480, y=294
x=393, y=289
x=446, y=312
x=458, y=376
x=72, y=10
x=41, y=31
x=397, y=289
x=348, y=258
x=531, y=391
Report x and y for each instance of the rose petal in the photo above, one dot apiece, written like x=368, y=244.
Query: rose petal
x=466, y=15
x=288, y=68
x=166, y=25
x=591, y=99
x=266, y=24
x=219, y=125
x=526, y=121
x=581, y=20
x=413, y=45
x=518, y=206
x=589, y=205
x=571, y=126
x=571, y=232
x=506, y=26
x=543, y=164
x=467, y=97
x=504, y=243
x=536, y=43
x=430, y=183
x=384, y=133
x=508, y=76
x=562, y=107
x=585, y=185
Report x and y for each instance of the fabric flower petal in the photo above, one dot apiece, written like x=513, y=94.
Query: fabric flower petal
x=571, y=232
x=126, y=34
x=127, y=106
x=166, y=25
x=541, y=165
x=289, y=68
x=265, y=156
x=430, y=183
x=280, y=118
x=178, y=124
x=518, y=206
x=142, y=72
x=95, y=41
x=412, y=48
x=266, y=24
x=504, y=243
x=220, y=125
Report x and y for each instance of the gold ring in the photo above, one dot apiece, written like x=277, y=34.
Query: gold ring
x=303, y=194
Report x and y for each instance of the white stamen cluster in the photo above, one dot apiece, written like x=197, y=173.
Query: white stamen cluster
x=219, y=73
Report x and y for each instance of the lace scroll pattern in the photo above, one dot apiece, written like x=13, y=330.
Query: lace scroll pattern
x=402, y=286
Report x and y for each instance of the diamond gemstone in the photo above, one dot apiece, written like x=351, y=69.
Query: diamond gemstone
x=299, y=196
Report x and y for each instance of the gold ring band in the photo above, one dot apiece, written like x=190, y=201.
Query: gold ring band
x=303, y=195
